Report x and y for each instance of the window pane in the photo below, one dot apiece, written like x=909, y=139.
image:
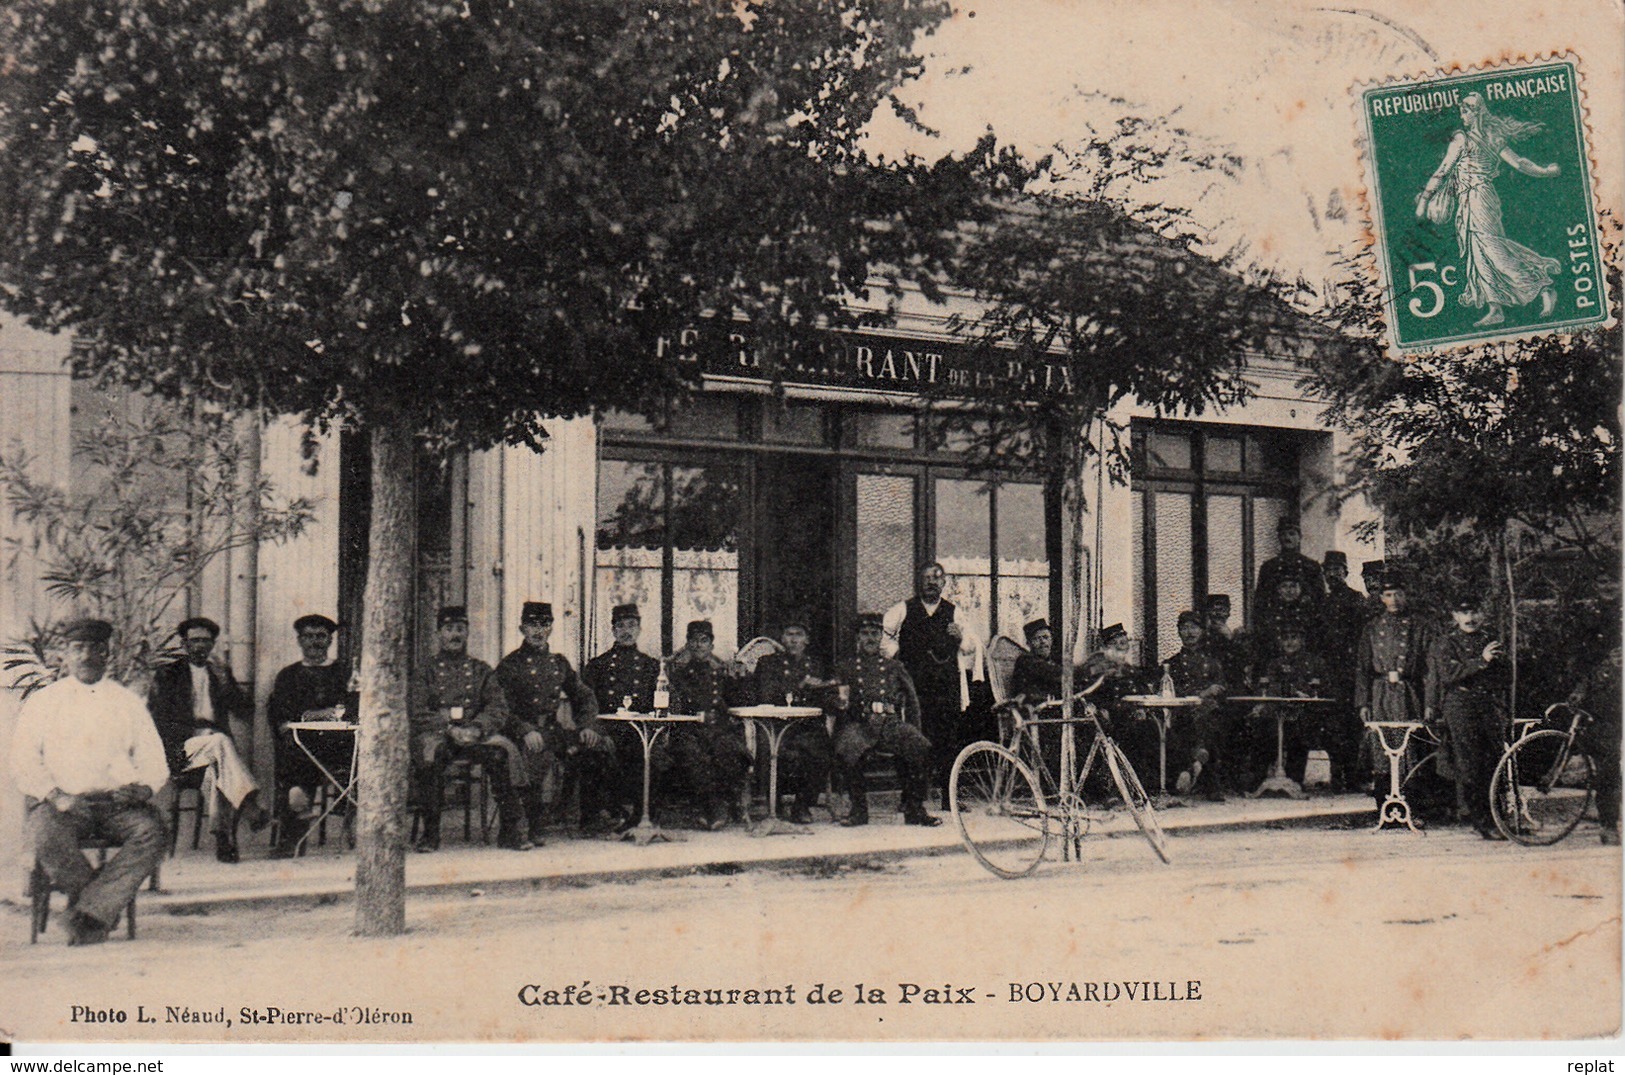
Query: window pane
x=1143, y=650
x=1174, y=583
x=872, y=429
x=794, y=423
x=1023, y=563
x=1222, y=454
x=626, y=422
x=708, y=417
x=965, y=547
x=1267, y=511
x=1170, y=451
x=885, y=540
x=706, y=506
x=1271, y=456
x=1225, y=569
x=631, y=533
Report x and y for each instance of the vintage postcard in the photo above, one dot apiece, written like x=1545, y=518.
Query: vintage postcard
x=430, y=617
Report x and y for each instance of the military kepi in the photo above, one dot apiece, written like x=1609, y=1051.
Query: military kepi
x=701, y=629
x=451, y=614
x=536, y=612
x=622, y=613
x=871, y=619
x=1035, y=626
x=1333, y=558
x=1112, y=633
x=315, y=619
x=86, y=629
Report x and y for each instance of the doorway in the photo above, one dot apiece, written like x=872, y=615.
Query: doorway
x=795, y=545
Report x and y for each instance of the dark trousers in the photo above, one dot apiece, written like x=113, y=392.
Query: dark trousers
x=1196, y=729
x=436, y=751
x=805, y=756
x=98, y=893
x=1601, y=742
x=1476, y=742
x=856, y=738
x=565, y=761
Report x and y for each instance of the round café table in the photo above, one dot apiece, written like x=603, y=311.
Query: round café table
x=650, y=727
x=775, y=721
x=1165, y=706
x=1277, y=782
x=345, y=786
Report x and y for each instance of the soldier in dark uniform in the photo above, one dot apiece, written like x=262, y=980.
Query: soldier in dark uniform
x=1288, y=563
x=1196, y=734
x=796, y=677
x=1291, y=605
x=928, y=635
x=535, y=680
x=1466, y=686
x=1228, y=646
x=624, y=677
x=882, y=711
x=1296, y=673
x=1372, y=573
x=1343, y=618
x=459, y=711
x=308, y=689
x=1113, y=665
x=1389, y=665
x=711, y=756
x=1036, y=676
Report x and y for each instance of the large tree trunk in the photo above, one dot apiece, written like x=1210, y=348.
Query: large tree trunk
x=380, y=874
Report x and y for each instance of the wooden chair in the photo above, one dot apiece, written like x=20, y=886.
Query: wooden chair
x=180, y=783
x=39, y=891
x=469, y=775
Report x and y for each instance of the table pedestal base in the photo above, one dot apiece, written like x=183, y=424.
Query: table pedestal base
x=1395, y=810
x=647, y=832
x=1278, y=783
x=777, y=826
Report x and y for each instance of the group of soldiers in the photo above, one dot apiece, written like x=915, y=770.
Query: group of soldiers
x=1373, y=656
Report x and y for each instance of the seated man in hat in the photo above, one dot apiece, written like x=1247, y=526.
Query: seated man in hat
x=195, y=702
x=711, y=756
x=1228, y=646
x=89, y=761
x=310, y=689
x=881, y=712
x=1291, y=605
x=1295, y=672
x=1196, y=735
x=623, y=677
x=558, y=739
x=796, y=677
x=459, y=711
x=1036, y=676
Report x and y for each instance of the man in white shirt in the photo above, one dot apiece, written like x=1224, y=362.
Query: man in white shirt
x=935, y=642
x=89, y=760
x=199, y=709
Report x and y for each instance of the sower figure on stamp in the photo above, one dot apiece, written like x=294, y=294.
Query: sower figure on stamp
x=624, y=677
x=796, y=677
x=938, y=647
x=88, y=759
x=459, y=712
x=711, y=756
x=536, y=681
x=1466, y=686
x=310, y=689
x=195, y=703
x=881, y=711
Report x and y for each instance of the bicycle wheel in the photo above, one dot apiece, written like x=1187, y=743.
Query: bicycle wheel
x=1541, y=789
x=1135, y=798
x=999, y=809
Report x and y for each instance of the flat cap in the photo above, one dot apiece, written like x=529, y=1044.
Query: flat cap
x=315, y=619
x=201, y=622
x=86, y=629
x=1035, y=626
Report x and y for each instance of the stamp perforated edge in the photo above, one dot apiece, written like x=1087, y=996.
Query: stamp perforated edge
x=1369, y=256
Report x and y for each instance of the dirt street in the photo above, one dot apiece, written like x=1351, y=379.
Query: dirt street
x=1294, y=933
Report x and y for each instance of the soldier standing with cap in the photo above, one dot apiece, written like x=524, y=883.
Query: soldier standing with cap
x=535, y=680
x=1288, y=563
x=624, y=677
x=880, y=711
x=459, y=711
x=1372, y=573
x=1343, y=619
x=712, y=756
x=1466, y=685
x=796, y=677
x=88, y=758
x=1389, y=665
x=194, y=703
x=309, y=689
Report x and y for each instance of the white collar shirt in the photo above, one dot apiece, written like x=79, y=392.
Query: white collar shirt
x=82, y=738
x=202, y=702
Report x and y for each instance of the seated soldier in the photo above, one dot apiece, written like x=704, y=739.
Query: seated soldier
x=711, y=756
x=623, y=677
x=1295, y=673
x=536, y=682
x=194, y=703
x=1037, y=674
x=1113, y=664
x=880, y=711
x=458, y=712
x=1195, y=735
x=796, y=677
x=310, y=689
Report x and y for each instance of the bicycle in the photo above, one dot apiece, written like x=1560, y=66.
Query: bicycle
x=1543, y=786
x=1008, y=803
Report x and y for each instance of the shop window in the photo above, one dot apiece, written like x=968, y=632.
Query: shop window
x=877, y=429
x=668, y=541
x=990, y=541
x=792, y=423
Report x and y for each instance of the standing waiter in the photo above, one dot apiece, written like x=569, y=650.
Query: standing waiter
x=935, y=644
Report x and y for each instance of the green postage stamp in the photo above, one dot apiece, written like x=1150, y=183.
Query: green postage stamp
x=1482, y=205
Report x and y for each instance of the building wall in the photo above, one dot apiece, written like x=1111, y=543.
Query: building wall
x=35, y=416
